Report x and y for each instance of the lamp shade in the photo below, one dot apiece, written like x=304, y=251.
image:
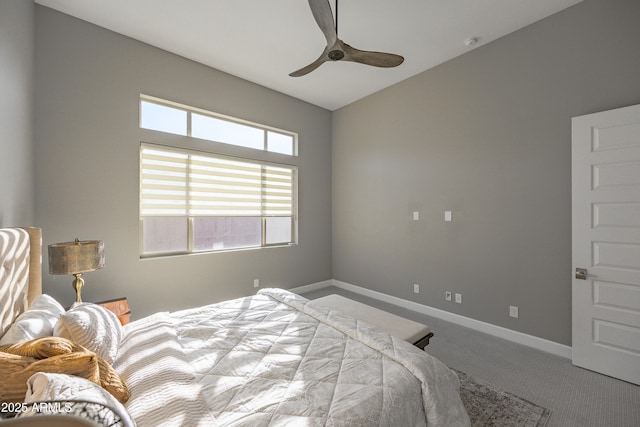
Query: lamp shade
x=76, y=257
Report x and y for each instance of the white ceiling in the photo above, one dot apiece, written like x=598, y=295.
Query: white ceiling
x=264, y=40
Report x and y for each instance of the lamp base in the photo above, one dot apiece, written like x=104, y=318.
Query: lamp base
x=77, y=284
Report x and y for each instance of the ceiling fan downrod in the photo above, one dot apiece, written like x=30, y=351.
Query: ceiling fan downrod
x=336, y=54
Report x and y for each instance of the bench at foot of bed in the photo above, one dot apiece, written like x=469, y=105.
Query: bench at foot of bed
x=413, y=332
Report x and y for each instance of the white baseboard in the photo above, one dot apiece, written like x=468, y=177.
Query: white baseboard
x=487, y=328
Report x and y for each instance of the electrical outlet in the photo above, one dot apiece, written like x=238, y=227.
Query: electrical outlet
x=256, y=283
x=447, y=296
x=459, y=298
x=513, y=311
x=416, y=288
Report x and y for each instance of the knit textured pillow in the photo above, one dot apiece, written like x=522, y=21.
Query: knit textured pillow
x=93, y=327
x=54, y=355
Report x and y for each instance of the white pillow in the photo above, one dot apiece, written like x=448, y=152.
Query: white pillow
x=93, y=327
x=43, y=386
x=36, y=322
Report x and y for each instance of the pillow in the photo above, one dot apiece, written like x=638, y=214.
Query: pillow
x=56, y=355
x=93, y=327
x=38, y=321
x=47, y=387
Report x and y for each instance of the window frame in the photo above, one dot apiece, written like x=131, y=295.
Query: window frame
x=196, y=146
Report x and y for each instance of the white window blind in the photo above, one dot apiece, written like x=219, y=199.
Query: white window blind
x=183, y=183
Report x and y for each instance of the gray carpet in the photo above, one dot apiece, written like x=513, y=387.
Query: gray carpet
x=576, y=397
x=488, y=407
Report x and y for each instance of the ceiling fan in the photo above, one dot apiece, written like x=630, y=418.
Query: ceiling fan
x=338, y=50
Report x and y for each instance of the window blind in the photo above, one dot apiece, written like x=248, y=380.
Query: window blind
x=175, y=182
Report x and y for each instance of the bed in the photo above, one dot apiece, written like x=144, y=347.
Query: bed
x=271, y=359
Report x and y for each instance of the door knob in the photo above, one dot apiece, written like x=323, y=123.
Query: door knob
x=582, y=274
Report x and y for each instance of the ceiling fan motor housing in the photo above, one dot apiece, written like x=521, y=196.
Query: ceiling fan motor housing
x=336, y=55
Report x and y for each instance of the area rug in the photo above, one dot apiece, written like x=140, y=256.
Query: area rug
x=487, y=406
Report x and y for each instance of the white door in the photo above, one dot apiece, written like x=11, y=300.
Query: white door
x=606, y=242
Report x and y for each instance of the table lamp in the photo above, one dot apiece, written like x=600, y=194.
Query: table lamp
x=76, y=258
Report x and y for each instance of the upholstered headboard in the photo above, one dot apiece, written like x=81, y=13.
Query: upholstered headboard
x=20, y=271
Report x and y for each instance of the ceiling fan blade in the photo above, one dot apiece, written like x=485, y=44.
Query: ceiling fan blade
x=377, y=59
x=309, y=68
x=321, y=10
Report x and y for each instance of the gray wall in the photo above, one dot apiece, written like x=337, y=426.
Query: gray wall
x=88, y=82
x=16, y=113
x=486, y=135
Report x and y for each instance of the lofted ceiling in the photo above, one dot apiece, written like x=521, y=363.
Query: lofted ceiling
x=264, y=40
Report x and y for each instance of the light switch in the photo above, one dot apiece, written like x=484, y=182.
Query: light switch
x=513, y=311
x=416, y=215
x=448, y=217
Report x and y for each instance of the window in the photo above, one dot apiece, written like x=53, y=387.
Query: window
x=170, y=117
x=196, y=201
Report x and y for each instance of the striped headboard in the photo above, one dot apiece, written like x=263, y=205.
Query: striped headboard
x=20, y=271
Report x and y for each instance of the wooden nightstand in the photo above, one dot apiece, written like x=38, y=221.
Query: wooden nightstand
x=118, y=306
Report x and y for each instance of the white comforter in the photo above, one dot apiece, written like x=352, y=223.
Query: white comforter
x=273, y=360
